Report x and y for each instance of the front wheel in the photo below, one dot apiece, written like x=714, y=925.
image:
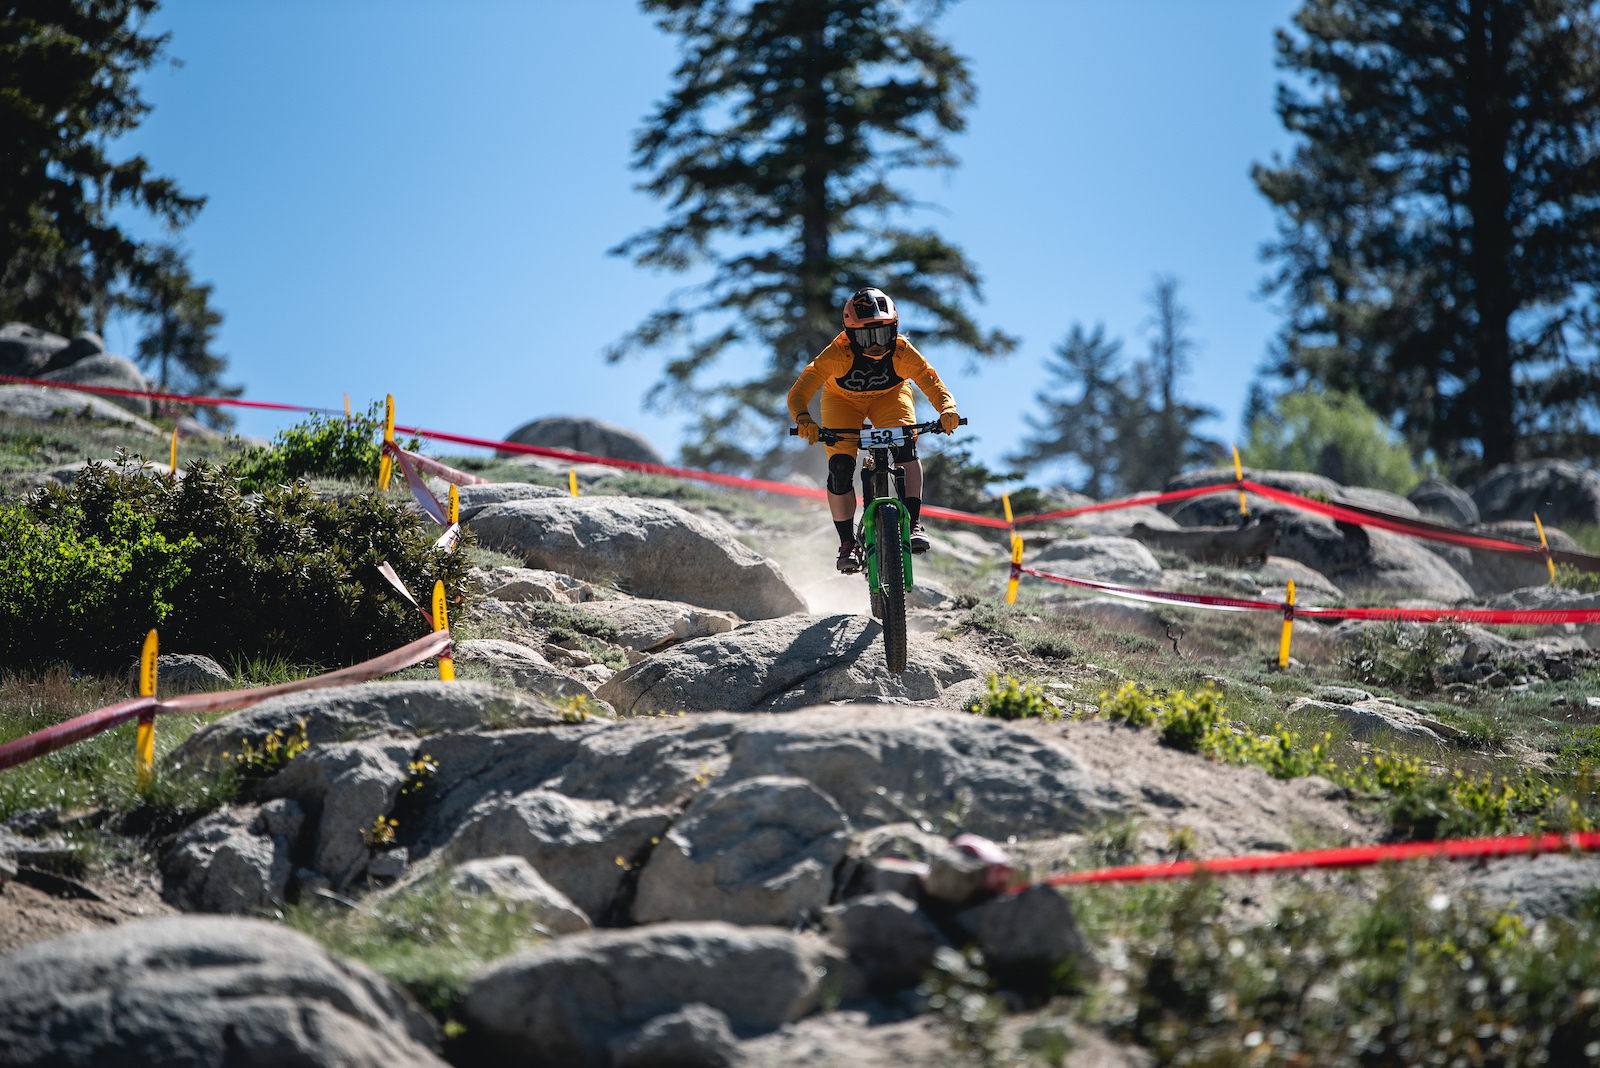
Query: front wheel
x=892, y=583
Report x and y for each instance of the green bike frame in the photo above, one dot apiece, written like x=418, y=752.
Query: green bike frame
x=869, y=534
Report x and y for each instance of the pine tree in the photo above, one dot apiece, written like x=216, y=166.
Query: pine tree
x=1439, y=236
x=181, y=328
x=1084, y=429
x=783, y=124
x=67, y=90
x=1129, y=429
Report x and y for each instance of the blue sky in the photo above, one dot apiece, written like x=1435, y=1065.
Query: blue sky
x=418, y=198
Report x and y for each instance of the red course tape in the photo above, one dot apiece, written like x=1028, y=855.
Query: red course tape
x=1345, y=857
x=1410, y=615
x=37, y=744
x=1346, y=513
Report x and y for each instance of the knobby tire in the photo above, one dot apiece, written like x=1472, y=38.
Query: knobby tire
x=892, y=579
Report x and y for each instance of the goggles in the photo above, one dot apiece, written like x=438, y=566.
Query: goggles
x=865, y=337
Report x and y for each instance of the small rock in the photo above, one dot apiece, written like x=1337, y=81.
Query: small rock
x=696, y=1036
x=573, y=844
x=514, y=879
x=1342, y=695
x=234, y=860
x=1368, y=719
x=184, y=673
x=581, y=433
x=895, y=875
x=956, y=876
x=390, y=864
x=929, y=593
x=1102, y=559
x=887, y=937
x=1027, y=936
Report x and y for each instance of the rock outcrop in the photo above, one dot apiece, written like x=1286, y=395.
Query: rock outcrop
x=1101, y=559
x=237, y=860
x=652, y=548
x=115, y=372
x=203, y=991
x=1438, y=500
x=1559, y=491
x=783, y=664
x=760, y=851
x=566, y=1001
x=578, y=433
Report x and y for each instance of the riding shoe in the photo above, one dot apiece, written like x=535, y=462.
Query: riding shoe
x=919, y=539
x=849, y=558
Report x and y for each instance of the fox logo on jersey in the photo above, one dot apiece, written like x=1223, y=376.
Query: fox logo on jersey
x=868, y=375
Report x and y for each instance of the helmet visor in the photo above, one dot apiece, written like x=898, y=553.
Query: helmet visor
x=865, y=337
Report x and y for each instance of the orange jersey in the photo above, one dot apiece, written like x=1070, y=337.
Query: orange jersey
x=841, y=372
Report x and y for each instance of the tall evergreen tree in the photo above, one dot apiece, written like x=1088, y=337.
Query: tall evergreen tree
x=1128, y=428
x=1439, y=235
x=67, y=90
x=1084, y=429
x=180, y=330
x=783, y=124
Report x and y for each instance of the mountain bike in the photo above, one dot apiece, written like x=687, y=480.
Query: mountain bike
x=884, y=531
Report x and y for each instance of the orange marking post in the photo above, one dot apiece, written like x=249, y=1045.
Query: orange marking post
x=385, y=468
x=1288, y=629
x=144, y=746
x=447, y=666
x=1548, y=560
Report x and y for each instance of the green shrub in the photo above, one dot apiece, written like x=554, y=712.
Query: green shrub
x=1422, y=805
x=1292, y=437
x=1414, y=976
x=320, y=447
x=1013, y=700
x=1573, y=579
x=427, y=938
x=86, y=570
x=1400, y=655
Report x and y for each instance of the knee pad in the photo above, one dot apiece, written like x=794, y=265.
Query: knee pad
x=841, y=474
x=904, y=454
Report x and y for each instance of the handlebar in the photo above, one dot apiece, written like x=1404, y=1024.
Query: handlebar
x=830, y=435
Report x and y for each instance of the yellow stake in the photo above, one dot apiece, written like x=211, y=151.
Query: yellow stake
x=144, y=746
x=447, y=666
x=572, y=480
x=1016, y=558
x=385, y=467
x=1238, y=473
x=1005, y=499
x=455, y=505
x=1288, y=628
x=173, y=463
x=1548, y=559
x=347, y=407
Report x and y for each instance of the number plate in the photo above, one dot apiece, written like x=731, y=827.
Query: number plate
x=886, y=438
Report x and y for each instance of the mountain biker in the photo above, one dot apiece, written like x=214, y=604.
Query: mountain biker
x=865, y=374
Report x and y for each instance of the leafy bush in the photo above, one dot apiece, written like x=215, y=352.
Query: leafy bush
x=86, y=570
x=1573, y=579
x=1423, y=805
x=1013, y=700
x=1400, y=655
x=427, y=937
x=1305, y=422
x=1413, y=976
x=321, y=446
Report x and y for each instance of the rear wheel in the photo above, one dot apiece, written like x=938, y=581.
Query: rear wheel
x=892, y=580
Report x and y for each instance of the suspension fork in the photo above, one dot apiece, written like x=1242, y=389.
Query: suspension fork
x=869, y=524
